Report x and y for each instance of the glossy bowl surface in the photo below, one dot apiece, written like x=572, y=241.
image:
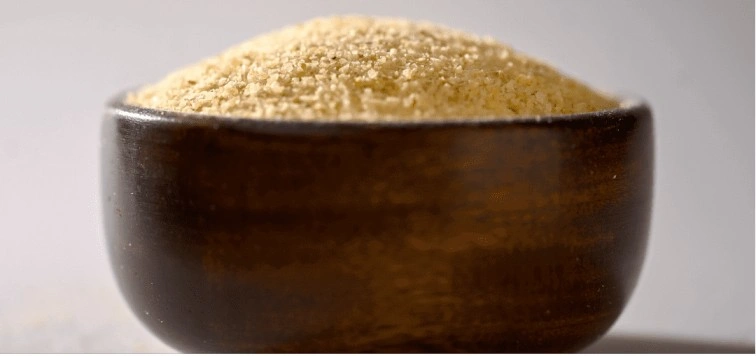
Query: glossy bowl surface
x=231, y=235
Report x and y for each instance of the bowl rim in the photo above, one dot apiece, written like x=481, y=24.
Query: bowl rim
x=629, y=106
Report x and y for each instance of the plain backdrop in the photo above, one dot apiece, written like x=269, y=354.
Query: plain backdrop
x=60, y=61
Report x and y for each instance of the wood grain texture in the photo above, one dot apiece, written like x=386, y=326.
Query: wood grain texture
x=230, y=235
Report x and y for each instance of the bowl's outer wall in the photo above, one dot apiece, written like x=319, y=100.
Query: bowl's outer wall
x=493, y=237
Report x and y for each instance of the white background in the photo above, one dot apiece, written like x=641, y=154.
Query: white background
x=61, y=60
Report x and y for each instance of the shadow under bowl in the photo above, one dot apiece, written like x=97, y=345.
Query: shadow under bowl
x=233, y=235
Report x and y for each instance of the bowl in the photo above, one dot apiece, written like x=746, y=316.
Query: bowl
x=239, y=235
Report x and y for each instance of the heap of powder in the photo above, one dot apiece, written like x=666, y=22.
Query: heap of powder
x=367, y=69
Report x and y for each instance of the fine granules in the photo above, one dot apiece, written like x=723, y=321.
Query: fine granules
x=367, y=69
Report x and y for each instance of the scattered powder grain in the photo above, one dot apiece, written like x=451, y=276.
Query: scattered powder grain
x=370, y=69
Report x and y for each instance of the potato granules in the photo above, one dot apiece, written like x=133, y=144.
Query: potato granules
x=367, y=69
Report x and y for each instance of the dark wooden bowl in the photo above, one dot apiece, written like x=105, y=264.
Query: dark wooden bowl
x=472, y=236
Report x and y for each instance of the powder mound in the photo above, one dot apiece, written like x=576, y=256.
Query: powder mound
x=368, y=69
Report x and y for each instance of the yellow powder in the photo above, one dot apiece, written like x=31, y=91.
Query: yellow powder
x=370, y=69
